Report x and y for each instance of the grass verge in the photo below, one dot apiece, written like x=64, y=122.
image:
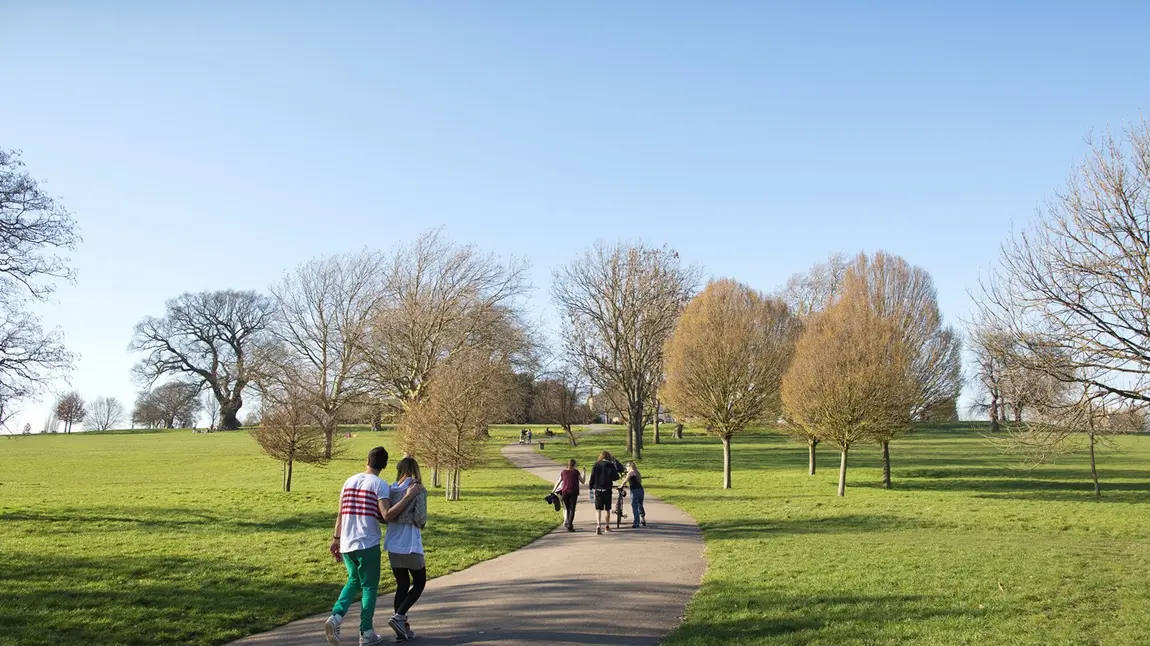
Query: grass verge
x=966, y=549
x=173, y=537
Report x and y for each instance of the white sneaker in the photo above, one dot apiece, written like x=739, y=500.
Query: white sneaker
x=331, y=629
x=370, y=638
x=398, y=624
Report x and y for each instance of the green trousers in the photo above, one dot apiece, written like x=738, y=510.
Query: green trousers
x=362, y=574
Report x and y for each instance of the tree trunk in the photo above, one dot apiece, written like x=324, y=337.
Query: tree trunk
x=435, y=479
x=678, y=431
x=843, y=474
x=570, y=434
x=328, y=437
x=376, y=419
x=1094, y=468
x=636, y=423
x=656, y=420
x=994, y=405
x=630, y=439
x=453, y=484
x=886, y=464
x=1017, y=413
x=726, y=462
x=811, y=444
x=229, y=409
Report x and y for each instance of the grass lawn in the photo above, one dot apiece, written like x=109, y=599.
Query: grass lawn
x=180, y=538
x=964, y=550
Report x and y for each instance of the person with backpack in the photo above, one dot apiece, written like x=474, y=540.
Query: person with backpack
x=603, y=476
x=567, y=486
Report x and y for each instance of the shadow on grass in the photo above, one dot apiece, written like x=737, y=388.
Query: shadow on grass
x=789, y=618
x=741, y=528
x=168, y=518
x=146, y=599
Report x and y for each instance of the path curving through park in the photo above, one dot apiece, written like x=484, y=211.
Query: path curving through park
x=627, y=587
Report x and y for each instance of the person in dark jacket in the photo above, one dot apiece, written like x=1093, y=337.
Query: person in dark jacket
x=635, y=484
x=603, y=476
x=567, y=486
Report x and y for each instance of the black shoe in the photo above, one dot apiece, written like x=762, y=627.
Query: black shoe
x=570, y=529
x=644, y=522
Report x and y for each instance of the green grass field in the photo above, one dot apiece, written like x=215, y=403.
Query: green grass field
x=179, y=538
x=964, y=550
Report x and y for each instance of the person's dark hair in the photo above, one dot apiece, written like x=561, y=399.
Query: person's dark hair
x=605, y=455
x=571, y=463
x=377, y=458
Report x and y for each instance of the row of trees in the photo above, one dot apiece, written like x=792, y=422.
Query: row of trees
x=434, y=335
x=170, y=405
x=858, y=355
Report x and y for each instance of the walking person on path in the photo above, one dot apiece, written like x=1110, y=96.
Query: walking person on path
x=603, y=476
x=404, y=545
x=635, y=484
x=567, y=486
x=364, y=502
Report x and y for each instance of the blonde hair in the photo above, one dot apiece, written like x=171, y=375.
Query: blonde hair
x=408, y=467
x=631, y=468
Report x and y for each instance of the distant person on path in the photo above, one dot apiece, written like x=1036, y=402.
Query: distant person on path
x=529, y=436
x=363, y=503
x=404, y=545
x=603, y=476
x=568, y=489
x=635, y=484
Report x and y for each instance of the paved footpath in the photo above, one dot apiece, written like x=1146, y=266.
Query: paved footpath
x=627, y=587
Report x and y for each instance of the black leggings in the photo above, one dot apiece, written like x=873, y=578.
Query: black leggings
x=569, y=501
x=409, y=585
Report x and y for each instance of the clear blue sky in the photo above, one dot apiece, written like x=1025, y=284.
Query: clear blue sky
x=215, y=145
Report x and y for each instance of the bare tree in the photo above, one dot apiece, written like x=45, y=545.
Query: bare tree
x=289, y=433
x=988, y=347
x=447, y=427
x=173, y=404
x=619, y=303
x=814, y=291
x=1074, y=283
x=905, y=293
x=726, y=359
x=850, y=379
x=51, y=424
x=70, y=409
x=440, y=299
x=105, y=414
x=211, y=338
x=34, y=229
x=322, y=314
x=559, y=399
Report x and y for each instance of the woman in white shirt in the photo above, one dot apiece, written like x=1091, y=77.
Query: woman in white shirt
x=404, y=545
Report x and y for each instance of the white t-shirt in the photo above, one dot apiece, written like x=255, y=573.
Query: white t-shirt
x=359, y=512
x=401, y=537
